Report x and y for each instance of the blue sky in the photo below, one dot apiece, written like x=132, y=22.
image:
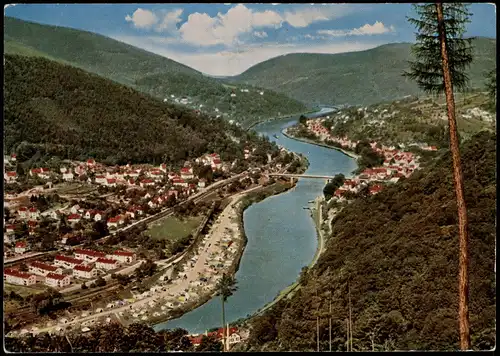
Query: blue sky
x=226, y=39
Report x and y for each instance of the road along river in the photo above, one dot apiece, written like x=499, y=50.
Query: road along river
x=281, y=236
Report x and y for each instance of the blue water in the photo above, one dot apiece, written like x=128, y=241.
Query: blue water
x=281, y=237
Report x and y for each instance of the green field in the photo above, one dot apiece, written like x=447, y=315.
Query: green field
x=172, y=228
x=22, y=290
x=78, y=188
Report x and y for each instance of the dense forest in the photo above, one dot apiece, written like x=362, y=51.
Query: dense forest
x=54, y=109
x=112, y=338
x=398, y=251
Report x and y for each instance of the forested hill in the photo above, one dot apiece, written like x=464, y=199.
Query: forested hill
x=60, y=110
x=355, y=78
x=399, y=250
x=145, y=71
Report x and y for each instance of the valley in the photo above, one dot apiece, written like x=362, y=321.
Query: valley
x=311, y=203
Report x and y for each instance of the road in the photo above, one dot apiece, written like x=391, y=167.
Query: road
x=107, y=277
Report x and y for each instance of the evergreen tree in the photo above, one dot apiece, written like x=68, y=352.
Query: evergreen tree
x=225, y=287
x=443, y=55
x=491, y=84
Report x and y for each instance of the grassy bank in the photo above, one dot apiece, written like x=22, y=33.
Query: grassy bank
x=281, y=117
x=347, y=153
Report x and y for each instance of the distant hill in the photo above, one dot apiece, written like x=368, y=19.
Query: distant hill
x=60, y=110
x=145, y=71
x=354, y=78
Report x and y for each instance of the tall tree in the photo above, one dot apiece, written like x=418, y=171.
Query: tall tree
x=443, y=55
x=225, y=288
x=491, y=84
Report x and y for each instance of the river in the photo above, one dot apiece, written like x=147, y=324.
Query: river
x=281, y=236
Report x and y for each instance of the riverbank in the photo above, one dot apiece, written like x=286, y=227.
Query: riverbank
x=289, y=291
x=282, y=117
x=238, y=207
x=305, y=140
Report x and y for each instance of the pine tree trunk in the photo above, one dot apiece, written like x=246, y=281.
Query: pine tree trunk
x=223, y=325
x=463, y=284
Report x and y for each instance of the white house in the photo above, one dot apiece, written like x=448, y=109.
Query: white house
x=68, y=176
x=123, y=256
x=57, y=280
x=42, y=269
x=34, y=213
x=23, y=212
x=110, y=182
x=16, y=277
x=74, y=218
x=216, y=164
x=21, y=247
x=88, y=255
x=187, y=173
x=146, y=183
x=107, y=264
x=201, y=183
x=10, y=176
x=40, y=172
x=100, y=179
x=180, y=182
x=75, y=209
x=81, y=271
x=98, y=216
x=113, y=222
x=67, y=262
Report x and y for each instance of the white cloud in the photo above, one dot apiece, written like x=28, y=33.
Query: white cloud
x=142, y=18
x=233, y=62
x=225, y=28
x=303, y=18
x=203, y=30
x=377, y=28
x=262, y=34
x=170, y=20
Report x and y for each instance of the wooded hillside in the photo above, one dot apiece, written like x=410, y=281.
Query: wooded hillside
x=64, y=111
x=399, y=250
x=354, y=78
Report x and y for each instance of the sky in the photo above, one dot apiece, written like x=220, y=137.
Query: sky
x=226, y=39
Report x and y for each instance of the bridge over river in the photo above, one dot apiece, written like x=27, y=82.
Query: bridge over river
x=289, y=175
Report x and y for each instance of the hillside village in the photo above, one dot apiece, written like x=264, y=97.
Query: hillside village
x=200, y=107
x=129, y=194
x=397, y=163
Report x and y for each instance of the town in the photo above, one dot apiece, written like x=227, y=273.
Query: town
x=59, y=234
x=396, y=164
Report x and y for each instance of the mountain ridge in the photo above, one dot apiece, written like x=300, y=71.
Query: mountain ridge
x=60, y=110
x=354, y=78
x=135, y=67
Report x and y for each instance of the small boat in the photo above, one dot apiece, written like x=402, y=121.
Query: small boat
x=275, y=136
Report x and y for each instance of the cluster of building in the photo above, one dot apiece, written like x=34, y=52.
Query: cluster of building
x=84, y=265
x=232, y=335
x=158, y=184
x=397, y=163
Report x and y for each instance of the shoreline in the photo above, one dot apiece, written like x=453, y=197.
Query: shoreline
x=305, y=140
x=281, y=117
x=240, y=208
x=291, y=289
